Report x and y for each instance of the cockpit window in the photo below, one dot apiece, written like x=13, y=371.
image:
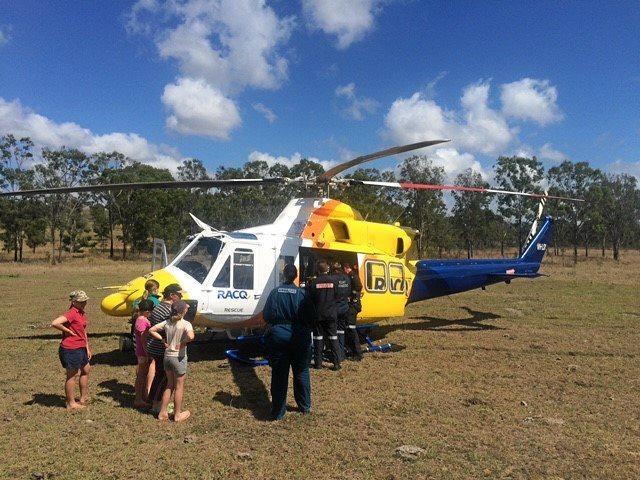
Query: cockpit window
x=198, y=261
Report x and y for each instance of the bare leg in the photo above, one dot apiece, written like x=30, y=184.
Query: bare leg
x=141, y=382
x=84, y=384
x=166, y=395
x=179, y=415
x=151, y=372
x=70, y=389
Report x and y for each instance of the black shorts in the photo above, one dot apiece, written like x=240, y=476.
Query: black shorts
x=73, y=359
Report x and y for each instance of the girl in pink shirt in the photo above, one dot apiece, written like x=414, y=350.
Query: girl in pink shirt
x=141, y=329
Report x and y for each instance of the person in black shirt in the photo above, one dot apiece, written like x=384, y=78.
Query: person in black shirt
x=352, y=342
x=343, y=293
x=322, y=294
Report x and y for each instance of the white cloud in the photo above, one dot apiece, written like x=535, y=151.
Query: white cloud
x=228, y=44
x=477, y=127
x=547, y=152
x=348, y=20
x=455, y=162
x=288, y=161
x=200, y=109
x=531, y=99
x=631, y=168
x=22, y=122
x=4, y=36
x=358, y=107
x=265, y=111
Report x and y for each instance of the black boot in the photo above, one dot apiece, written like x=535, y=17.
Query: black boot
x=318, y=347
x=353, y=342
x=335, y=350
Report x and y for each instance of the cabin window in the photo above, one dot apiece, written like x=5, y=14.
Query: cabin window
x=396, y=278
x=243, y=269
x=282, y=261
x=376, y=276
x=224, y=276
x=400, y=246
x=199, y=259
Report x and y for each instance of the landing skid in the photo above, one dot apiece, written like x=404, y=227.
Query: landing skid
x=365, y=330
x=236, y=356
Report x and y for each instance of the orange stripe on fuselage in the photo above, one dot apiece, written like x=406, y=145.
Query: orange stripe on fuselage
x=318, y=221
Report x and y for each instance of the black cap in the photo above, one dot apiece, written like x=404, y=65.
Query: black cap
x=172, y=288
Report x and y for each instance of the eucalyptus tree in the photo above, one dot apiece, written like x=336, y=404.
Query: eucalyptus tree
x=18, y=216
x=470, y=210
x=519, y=174
x=573, y=180
x=426, y=209
x=66, y=167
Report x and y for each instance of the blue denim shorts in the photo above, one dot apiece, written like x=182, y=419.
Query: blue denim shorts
x=73, y=359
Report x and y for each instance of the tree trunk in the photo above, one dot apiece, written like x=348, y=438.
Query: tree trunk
x=21, y=246
x=111, y=250
x=616, y=249
x=519, y=239
x=604, y=244
x=15, y=247
x=586, y=249
x=60, y=234
x=53, y=244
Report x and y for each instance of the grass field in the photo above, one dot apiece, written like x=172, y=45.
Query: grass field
x=536, y=379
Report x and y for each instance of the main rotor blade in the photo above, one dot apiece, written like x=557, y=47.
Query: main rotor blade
x=236, y=182
x=425, y=186
x=332, y=172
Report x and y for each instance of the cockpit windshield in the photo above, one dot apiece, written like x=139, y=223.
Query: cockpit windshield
x=200, y=258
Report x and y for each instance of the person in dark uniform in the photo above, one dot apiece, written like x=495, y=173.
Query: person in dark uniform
x=352, y=342
x=343, y=293
x=288, y=343
x=322, y=295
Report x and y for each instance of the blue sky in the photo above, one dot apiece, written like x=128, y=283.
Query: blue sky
x=226, y=81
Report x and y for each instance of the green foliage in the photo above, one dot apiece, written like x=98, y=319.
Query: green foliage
x=573, y=180
x=384, y=205
x=20, y=218
x=518, y=174
x=76, y=221
x=471, y=210
x=425, y=209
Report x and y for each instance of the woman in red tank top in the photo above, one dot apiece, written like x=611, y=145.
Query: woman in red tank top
x=74, y=349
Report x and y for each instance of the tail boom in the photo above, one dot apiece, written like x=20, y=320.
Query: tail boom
x=435, y=278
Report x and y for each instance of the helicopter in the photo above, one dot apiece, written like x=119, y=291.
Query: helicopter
x=226, y=276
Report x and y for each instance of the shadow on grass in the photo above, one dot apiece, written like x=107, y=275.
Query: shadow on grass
x=47, y=400
x=123, y=393
x=253, y=393
x=114, y=358
x=435, y=323
x=58, y=336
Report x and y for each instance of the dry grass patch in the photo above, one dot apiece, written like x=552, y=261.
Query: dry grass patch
x=533, y=380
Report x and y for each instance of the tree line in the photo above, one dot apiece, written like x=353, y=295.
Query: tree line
x=127, y=221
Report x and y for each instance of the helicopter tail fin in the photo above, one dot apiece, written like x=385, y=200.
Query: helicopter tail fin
x=536, y=248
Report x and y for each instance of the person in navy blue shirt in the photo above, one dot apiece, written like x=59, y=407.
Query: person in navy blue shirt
x=288, y=343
